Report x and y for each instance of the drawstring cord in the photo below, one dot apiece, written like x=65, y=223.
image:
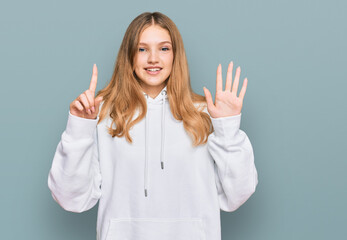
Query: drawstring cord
x=163, y=92
x=146, y=154
x=162, y=132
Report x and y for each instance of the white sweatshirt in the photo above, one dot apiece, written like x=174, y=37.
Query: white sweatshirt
x=159, y=187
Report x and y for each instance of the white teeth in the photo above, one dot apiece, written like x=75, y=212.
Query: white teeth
x=153, y=69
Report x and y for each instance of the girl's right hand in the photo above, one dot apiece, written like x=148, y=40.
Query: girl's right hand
x=85, y=105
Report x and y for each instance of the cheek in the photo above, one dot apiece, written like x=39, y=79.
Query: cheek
x=138, y=62
x=138, y=69
x=169, y=61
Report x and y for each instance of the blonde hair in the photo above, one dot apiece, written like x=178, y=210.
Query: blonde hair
x=123, y=94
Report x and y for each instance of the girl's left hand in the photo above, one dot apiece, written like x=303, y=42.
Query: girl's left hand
x=227, y=103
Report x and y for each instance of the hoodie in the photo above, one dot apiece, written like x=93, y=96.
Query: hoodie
x=160, y=187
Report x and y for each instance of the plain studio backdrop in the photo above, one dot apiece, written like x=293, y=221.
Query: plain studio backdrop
x=292, y=52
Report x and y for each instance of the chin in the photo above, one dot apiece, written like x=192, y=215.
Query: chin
x=153, y=82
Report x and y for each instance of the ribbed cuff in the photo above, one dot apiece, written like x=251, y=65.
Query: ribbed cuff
x=226, y=126
x=78, y=127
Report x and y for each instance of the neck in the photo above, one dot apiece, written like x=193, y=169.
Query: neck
x=153, y=91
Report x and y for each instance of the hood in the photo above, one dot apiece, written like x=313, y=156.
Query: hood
x=161, y=98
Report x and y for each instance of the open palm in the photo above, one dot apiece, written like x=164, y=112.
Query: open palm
x=227, y=103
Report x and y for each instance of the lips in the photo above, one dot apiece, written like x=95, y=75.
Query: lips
x=153, y=72
x=153, y=68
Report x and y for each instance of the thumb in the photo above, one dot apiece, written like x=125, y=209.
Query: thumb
x=98, y=100
x=209, y=100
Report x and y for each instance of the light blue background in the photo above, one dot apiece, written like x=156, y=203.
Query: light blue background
x=292, y=52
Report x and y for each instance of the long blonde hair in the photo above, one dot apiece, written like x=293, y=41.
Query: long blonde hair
x=123, y=94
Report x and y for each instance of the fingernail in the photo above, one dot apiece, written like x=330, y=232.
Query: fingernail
x=93, y=109
x=88, y=111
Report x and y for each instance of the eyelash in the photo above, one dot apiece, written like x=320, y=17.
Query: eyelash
x=161, y=48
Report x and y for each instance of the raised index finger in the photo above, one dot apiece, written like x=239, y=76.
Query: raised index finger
x=94, y=79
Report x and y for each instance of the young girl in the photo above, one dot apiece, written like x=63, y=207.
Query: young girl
x=160, y=159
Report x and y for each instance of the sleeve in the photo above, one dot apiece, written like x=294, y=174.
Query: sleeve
x=74, y=178
x=235, y=173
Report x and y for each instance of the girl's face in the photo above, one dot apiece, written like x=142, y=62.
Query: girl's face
x=153, y=59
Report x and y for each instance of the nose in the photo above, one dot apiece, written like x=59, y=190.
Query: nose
x=153, y=57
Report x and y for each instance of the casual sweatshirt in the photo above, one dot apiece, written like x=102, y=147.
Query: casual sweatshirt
x=160, y=187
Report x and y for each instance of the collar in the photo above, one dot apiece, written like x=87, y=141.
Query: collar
x=162, y=96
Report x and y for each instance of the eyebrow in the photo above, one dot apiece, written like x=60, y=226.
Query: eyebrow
x=141, y=43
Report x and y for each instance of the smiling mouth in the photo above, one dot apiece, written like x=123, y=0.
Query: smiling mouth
x=153, y=71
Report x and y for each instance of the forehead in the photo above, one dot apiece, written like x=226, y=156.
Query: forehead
x=154, y=34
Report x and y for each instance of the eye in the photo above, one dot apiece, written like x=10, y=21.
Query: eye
x=140, y=49
x=167, y=49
